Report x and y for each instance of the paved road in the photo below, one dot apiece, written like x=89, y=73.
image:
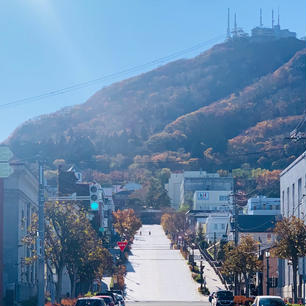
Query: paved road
x=157, y=273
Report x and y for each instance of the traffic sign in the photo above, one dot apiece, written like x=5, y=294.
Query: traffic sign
x=122, y=245
x=5, y=154
x=5, y=170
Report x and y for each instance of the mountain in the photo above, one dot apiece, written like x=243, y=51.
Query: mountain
x=188, y=106
x=224, y=126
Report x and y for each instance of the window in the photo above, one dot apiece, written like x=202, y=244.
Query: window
x=299, y=196
x=223, y=226
x=283, y=202
x=293, y=200
x=215, y=226
x=288, y=202
x=223, y=198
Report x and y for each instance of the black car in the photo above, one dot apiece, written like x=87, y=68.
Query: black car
x=90, y=302
x=222, y=298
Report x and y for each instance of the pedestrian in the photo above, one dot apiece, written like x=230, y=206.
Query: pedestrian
x=140, y=233
x=149, y=233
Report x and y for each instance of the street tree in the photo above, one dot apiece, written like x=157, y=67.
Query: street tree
x=291, y=244
x=69, y=239
x=242, y=260
x=126, y=223
x=157, y=195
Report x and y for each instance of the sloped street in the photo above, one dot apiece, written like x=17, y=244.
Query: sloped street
x=157, y=273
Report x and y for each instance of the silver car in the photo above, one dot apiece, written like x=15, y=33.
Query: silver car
x=268, y=300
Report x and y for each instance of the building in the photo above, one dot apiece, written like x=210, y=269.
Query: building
x=293, y=193
x=206, y=183
x=260, y=34
x=213, y=200
x=20, y=203
x=260, y=227
x=173, y=187
x=262, y=205
x=215, y=226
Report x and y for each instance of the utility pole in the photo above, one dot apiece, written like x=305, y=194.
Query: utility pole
x=201, y=274
x=41, y=236
x=235, y=234
x=215, y=249
x=1, y=238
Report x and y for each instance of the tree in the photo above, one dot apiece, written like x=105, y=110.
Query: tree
x=126, y=223
x=157, y=196
x=70, y=242
x=291, y=244
x=242, y=260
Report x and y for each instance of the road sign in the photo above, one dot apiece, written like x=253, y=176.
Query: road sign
x=5, y=170
x=5, y=154
x=122, y=245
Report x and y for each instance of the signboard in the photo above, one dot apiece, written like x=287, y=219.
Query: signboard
x=5, y=170
x=5, y=154
x=203, y=195
x=122, y=245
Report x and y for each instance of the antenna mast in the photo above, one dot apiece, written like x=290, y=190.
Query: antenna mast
x=235, y=25
x=278, y=16
x=228, y=24
x=272, y=19
x=260, y=20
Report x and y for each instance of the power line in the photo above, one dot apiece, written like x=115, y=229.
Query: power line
x=78, y=86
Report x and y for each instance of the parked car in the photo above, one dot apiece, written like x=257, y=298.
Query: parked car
x=268, y=300
x=118, y=291
x=92, y=301
x=109, y=293
x=120, y=298
x=222, y=298
x=109, y=301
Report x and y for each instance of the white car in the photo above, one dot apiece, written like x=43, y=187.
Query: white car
x=268, y=300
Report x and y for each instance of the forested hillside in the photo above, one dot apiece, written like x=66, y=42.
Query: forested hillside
x=236, y=97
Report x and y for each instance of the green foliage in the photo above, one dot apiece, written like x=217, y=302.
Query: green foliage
x=291, y=244
x=157, y=195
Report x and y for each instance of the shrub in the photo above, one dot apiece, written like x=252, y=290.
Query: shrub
x=204, y=290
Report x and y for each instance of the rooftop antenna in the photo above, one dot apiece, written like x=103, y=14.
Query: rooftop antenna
x=228, y=24
x=235, y=25
x=272, y=19
x=260, y=20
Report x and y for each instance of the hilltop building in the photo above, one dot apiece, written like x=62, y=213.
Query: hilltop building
x=259, y=33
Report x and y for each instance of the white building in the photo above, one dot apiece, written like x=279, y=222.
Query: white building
x=212, y=200
x=262, y=205
x=215, y=226
x=173, y=188
x=293, y=193
x=20, y=203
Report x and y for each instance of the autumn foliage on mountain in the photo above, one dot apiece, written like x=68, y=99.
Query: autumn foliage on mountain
x=235, y=103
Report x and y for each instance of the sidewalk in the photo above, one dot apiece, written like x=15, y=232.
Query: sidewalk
x=213, y=282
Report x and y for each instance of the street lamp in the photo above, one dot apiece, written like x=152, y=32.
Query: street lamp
x=268, y=282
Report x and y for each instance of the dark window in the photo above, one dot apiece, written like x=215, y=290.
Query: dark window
x=225, y=295
x=271, y=302
x=90, y=302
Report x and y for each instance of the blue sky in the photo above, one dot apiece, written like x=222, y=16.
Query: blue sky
x=47, y=45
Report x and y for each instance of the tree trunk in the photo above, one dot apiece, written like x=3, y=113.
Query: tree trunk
x=295, y=269
x=247, y=282
x=58, y=285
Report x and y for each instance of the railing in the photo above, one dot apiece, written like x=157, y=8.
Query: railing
x=210, y=260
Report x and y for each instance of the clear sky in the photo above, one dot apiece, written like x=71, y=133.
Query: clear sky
x=47, y=45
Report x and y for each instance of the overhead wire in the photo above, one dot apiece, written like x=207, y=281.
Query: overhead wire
x=109, y=77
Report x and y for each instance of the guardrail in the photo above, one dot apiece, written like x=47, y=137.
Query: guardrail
x=210, y=260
